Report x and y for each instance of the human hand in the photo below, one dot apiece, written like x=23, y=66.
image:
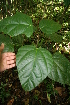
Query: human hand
x=7, y=59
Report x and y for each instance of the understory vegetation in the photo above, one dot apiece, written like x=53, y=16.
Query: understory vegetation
x=38, y=31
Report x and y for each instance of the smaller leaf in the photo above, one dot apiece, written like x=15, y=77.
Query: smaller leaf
x=8, y=45
x=55, y=37
x=49, y=26
x=18, y=39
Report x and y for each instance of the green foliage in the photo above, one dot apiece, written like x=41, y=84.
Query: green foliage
x=61, y=69
x=49, y=26
x=14, y=26
x=34, y=65
x=19, y=40
x=49, y=88
x=7, y=43
x=3, y=93
x=67, y=2
x=54, y=37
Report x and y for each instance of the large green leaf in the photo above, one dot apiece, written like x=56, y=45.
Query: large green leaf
x=61, y=69
x=34, y=65
x=17, y=24
x=8, y=45
x=67, y=2
x=49, y=26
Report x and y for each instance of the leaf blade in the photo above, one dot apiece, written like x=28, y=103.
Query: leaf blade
x=49, y=26
x=60, y=71
x=33, y=66
x=55, y=37
x=17, y=24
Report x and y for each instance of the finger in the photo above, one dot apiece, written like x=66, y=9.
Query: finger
x=10, y=62
x=10, y=54
x=13, y=65
x=10, y=66
x=10, y=58
x=1, y=47
x=5, y=55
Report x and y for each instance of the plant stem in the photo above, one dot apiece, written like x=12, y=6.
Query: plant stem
x=54, y=93
x=37, y=40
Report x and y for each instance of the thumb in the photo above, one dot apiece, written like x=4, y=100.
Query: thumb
x=1, y=47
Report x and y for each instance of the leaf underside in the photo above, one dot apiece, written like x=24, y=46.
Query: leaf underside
x=34, y=65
